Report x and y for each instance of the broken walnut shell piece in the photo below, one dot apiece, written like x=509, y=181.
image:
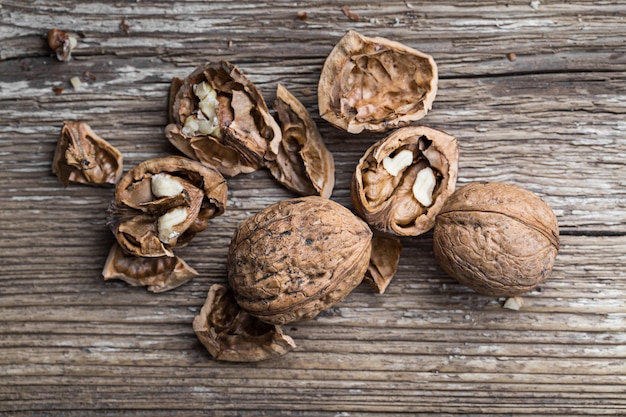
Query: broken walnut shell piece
x=296, y=258
x=386, y=251
x=219, y=117
x=303, y=164
x=82, y=156
x=403, y=180
x=161, y=204
x=375, y=84
x=231, y=334
x=157, y=274
x=496, y=238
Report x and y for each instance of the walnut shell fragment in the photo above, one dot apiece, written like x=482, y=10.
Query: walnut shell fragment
x=375, y=84
x=157, y=274
x=303, y=163
x=231, y=334
x=219, y=117
x=296, y=258
x=496, y=238
x=161, y=204
x=82, y=156
x=384, y=260
x=403, y=180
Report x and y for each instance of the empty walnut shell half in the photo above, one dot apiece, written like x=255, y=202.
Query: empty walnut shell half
x=296, y=258
x=231, y=334
x=375, y=84
x=402, y=181
x=496, y=238
x=82, y=156
x=157, y=274
x=219, y=117
x=162, y=203
x=303, y=163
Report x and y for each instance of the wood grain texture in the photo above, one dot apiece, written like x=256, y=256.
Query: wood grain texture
x=551, y=120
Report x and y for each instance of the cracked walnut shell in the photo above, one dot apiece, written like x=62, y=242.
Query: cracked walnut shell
x=296, y=258
x=403, y=180
x=81, y=156
x=162, y=203
x=303, y=163
x=219, y=117
x=230, y=334
x=496, y=238
x=375, y=84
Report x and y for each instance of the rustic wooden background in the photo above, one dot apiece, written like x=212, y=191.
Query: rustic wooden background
x=551, y=120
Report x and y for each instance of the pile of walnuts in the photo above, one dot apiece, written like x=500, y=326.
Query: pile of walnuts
x=298, y=257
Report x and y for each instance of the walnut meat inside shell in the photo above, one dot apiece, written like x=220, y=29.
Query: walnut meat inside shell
x=496, y=238
x=296, y=258
x=375, y=84
x=162, y=203
x=219, y=117
x=403, y=180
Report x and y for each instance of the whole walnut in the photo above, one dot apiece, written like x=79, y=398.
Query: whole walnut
x=296, y=258
x=496, y=238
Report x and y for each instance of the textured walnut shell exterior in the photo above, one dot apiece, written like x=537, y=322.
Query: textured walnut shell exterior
x=296, y=258
x=386, y=203
x=496, y=238
x=230, y=334
x=303, y=163
x=134, y=210
x=250, y=135
x=157, y=274
x=375, y=84
x=82, y=156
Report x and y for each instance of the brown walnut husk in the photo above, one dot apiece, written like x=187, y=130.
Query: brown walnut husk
x=386, y=202
x=82, y=156
x=303, y=163
x=375, y=84
x=384, y=260
x=135, y=212
x=231, y=334
x=249, y=135
x=157, y=274
x=296, y=258
x=496, y=238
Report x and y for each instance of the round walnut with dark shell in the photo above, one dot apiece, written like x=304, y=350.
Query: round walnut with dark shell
x=296, y=258
x=219, y=117
x=402, y=181
x=375, y=84
x=162, y=203
x=496, y=238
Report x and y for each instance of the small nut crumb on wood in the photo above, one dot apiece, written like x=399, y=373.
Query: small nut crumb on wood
x=375, y=84
x=157, y=274
x=296, y=258
x=230, y=334
x=162, y=203
x=62, y=43
x=513, y=303
x=403, y=180
x=81, y=156
x=496, y=238
x=350, y=14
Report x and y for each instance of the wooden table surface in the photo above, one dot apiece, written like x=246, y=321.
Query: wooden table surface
x=550, y=119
